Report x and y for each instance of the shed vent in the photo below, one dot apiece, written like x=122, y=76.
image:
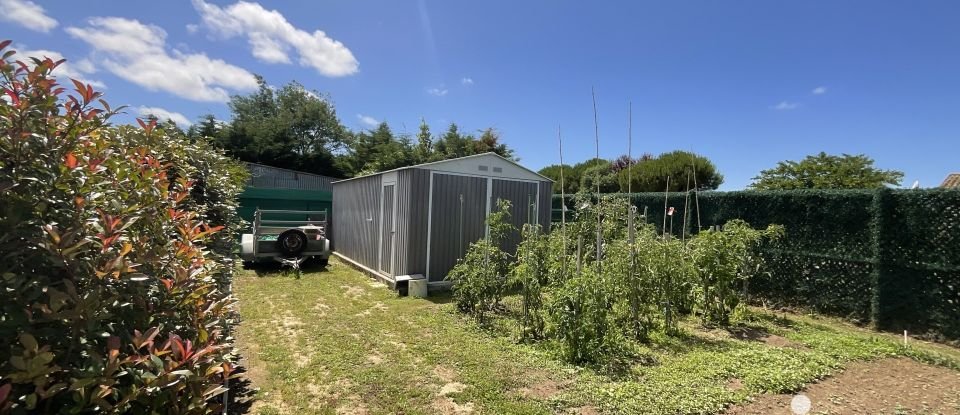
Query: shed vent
x=483, y=168
x=498, y=170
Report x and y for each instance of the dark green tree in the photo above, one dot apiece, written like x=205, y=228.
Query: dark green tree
x=825, y=171
x=424, y=150
x=598, y=174
x=570, y=185
x=651, y=175
x=290, y=128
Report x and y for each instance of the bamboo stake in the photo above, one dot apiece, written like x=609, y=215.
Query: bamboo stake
x=666, y=197
x=629, y=146
x=563, y=212
x=696, y=194
x=596, y=135
x=686, y=209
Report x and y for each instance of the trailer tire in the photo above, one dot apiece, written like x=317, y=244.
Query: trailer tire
x=291, y=243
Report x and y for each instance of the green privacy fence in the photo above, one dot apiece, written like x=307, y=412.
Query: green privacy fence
x=886, y=257
x=284, y=199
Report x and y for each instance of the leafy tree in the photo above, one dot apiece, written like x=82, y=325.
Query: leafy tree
x=424, y=149
x=570, y=185
x=489, y=141
x=824, y=171
x=290, y=127
x=599, y=175
x=208, y=126
x=378, y=150
x=651, y=175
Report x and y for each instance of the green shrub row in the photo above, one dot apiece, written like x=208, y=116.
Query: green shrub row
x=115, y=255
x=590, y=298
x=886, y=257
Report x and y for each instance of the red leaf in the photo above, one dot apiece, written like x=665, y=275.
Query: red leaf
x=13, y=97
x=79, y=86
x=70, y=160
x=142, y=124
x=5, y=389
x=4, y=44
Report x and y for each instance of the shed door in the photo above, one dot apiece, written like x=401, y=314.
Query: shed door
x=523, y=207
x=457, y=219
x=388, y=229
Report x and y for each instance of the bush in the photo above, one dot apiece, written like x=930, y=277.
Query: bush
x=480, y=277
x=115, y=246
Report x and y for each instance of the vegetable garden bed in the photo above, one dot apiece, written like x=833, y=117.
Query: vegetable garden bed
x=335, y=341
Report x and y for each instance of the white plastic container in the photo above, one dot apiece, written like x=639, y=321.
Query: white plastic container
x=417, y=288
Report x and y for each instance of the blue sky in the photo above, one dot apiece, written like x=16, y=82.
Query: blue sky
x=745, y=83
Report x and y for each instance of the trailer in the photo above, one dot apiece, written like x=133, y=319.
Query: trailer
x=286, y=235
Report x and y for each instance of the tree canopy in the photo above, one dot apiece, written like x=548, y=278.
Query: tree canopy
x=648, y=173
x=294, y=128
x=825, y=171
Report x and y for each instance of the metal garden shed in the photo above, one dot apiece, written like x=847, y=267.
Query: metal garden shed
x=421, y=219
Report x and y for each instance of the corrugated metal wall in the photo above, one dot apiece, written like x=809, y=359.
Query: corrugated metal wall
x=388, y=230
x=546, y=200
x=356, y=219
x=413, y=195
x=449, y=235
x=523, y=200
x=269, y=177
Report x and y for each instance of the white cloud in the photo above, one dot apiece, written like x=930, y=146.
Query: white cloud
x=368, y=120
x=437, y=91
x=820, y=90
x=192, y=28
x=784, y=106
x=79, y=70
x=272, y=37
x=163, y=115
x=138, y=53
x=27, y=14
x=466, y=81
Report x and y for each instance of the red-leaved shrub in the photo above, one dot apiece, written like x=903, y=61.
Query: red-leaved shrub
x=115, y=255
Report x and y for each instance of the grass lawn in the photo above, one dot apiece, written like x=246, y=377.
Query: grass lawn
x=337, y=342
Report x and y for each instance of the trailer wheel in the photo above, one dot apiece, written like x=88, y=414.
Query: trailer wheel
x=291, y=242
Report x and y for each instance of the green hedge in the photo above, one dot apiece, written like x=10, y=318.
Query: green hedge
x=886, y=257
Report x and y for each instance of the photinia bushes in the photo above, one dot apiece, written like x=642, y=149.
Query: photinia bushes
x=115, y=247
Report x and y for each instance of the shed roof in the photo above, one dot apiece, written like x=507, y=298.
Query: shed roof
x=451, y=164
x=952, y=181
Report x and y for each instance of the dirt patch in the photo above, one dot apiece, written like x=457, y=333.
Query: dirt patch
x=753, y=334
x=353, y=291
x=353, y=405
x=444, y=373
x=734, y=384
x=452, y=387
x=301, y=360
x=542, y=390
x=379, y=306
x=447, y=406
x=289, y=325
x=883, y=386
x=375, y=358
x=583, y=410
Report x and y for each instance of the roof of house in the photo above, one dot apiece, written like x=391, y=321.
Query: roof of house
x=435, y=164
x=952, y=181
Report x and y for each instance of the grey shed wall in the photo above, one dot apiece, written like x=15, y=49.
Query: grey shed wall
x=356, y=219
x=413, y=194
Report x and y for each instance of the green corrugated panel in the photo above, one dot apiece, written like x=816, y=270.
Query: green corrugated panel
x=284, y=199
